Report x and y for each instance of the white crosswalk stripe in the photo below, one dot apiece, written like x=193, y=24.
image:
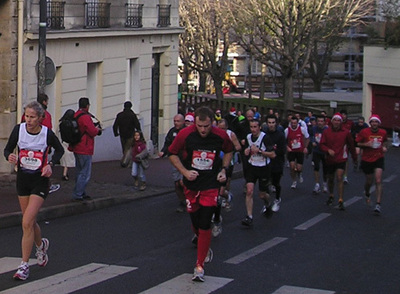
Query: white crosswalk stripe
x=183, y=284
x=72, y=280
x=300, y=290
x=308, y=224
x=8, y=264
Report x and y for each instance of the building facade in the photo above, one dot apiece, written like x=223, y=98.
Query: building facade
x=110, y=51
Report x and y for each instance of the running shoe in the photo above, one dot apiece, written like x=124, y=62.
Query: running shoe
x=54, y=188
x=217, y=229
x=377, y=209
x=22, y=272
x=181, y=207
x=294, y=185
x=341, y=205
x=198, y=274
x=317, y=189
x=301, y=180
x=345, y=180
x=272, y=189
x=227, y=203
x=247, y=221
x=276, y=206
x=41, y=252
x=329, y=201
x=267, y=211
x=209, y=257
x=325, y=188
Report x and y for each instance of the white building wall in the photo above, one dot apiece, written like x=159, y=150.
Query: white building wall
x=381, y=67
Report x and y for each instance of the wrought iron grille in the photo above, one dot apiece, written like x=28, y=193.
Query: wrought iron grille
x=97, y=15
x=55, y=15
x=134, y=14
x=164, y=15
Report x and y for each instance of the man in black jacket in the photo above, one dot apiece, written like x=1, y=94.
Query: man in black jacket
x=125, y=125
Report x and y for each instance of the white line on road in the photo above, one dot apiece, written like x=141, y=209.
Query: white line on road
x=389, y=179
x=183, y=284
x=255, y=251
x=72, y=280
x=352, y=200
x=8, y=264
x=299, y=290
x=306, y=225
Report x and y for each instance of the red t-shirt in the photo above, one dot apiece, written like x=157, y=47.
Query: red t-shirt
x=295, y=139
x=371, y=154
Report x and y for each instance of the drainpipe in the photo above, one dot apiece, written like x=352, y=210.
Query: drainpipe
x=20, y=53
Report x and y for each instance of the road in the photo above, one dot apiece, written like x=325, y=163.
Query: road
x=145, y=246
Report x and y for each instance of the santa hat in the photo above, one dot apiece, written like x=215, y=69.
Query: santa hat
x=375, y=117
x=232, y=111
x=189, y=117
x=338, y=116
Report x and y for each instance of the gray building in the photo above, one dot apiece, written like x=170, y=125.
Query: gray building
x=109, y=51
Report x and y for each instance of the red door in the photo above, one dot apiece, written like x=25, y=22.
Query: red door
x=386, y=103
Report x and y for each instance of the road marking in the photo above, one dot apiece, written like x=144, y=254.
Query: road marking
x=255, y=251
x=72, y=280
x=308, y=224
x=183, y=284
x=352, y=200
x=8, y=264
x=300, y=290
x=389, y=179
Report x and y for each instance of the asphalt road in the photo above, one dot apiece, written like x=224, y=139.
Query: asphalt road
x=306, y=246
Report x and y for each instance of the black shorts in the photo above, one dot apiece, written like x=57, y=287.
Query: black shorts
x=369, y=167
x=260, y=173
x=296, y=156
x=317, y=158
x=28, y=184
x=331, y=168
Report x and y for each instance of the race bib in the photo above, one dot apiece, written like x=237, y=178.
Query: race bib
x=376, y=143
x=31, y=160
x=318, y=137
x=296, y=144
x=203, y=160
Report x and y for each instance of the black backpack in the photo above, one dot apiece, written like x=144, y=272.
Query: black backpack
x=69, y=129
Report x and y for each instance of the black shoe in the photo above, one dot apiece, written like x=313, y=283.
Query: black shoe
x=247, y=221
x=86, y=197
x=195, y=239
x=65, y=178
x=329, y=201
x=341, y=205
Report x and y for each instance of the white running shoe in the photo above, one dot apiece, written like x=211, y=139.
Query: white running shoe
x=325, y=188
x=345, y=180
x=22, y=272
x=294, y=185
x=316, y=189
x=198, y=274
x=301, y=180
x=209, y=257
x=54, y=188
x=41, y=252
x=276, y=206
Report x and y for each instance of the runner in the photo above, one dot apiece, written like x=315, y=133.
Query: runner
x=203, y=171
x=33, y=141
x=258, y=152
x=373, y=141
x=336, y=141
x=318, y=157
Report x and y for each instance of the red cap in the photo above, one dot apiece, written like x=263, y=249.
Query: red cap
x=375, y=117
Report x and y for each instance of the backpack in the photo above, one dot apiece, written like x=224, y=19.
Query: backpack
x=69, y=128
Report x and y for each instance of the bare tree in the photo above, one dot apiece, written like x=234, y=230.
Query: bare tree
x=205, y=42
x=281, y=33
x=331, y=34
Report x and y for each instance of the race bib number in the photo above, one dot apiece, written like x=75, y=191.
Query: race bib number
x=31, y=160
x=376, y=143
x=296, y=144
x=203, y=160
x=318, y=137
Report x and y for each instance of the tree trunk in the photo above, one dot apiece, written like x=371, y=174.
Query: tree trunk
x=218, y=90
x=288, y=94
x=202, y=82
x=317, y=85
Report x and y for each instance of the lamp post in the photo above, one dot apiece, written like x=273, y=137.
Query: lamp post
x=42, y=48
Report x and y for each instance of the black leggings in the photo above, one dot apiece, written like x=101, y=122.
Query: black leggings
x=276, y=181
x=201, y=219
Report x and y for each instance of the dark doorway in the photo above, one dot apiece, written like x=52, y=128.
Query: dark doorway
x=155, y=99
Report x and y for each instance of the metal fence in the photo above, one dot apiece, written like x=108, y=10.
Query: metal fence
x=97, y=15
x=134, y=14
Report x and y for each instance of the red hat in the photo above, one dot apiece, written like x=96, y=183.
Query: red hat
x=375, y=117
x=338, y=116
x=233, y=109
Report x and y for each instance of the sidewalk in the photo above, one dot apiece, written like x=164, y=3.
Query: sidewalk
x=110, y=185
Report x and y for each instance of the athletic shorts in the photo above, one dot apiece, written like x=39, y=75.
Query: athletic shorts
x=369, y=167
x=331, y=168
x=196, y=199
x=176, y=175
x=28, y=184
x=296, y=156
x=317, y=158
x=260, y=173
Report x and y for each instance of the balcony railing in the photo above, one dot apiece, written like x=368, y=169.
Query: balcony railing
x=55, y=15
x=97, y=15
x=164, y=15
x=134, y=14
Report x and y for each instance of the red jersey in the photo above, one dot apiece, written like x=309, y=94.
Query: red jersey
x=348, y=124
x=295, y=138
x=372, y=154
x=341, y=142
